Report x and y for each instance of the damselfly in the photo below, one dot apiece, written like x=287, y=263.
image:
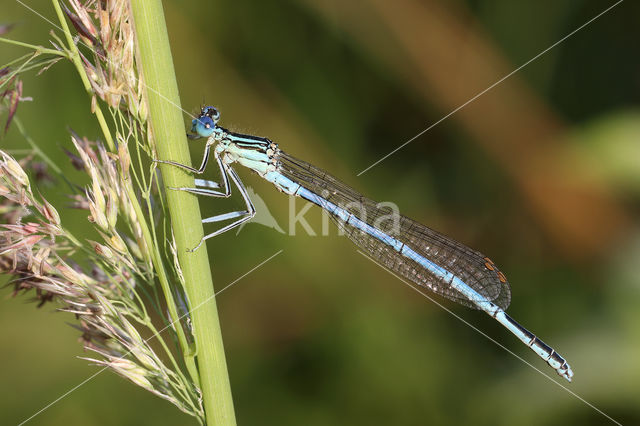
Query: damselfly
x=425, y=257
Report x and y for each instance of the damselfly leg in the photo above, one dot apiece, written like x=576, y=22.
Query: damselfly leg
x=244, y=215
x=204, y=184
x=199, y=170
x=203, y=188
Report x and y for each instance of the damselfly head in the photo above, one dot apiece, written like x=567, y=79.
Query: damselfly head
x=205, y=124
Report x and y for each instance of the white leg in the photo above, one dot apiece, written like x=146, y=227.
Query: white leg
x=224, y=216
x=207, y=183
x=248, y=214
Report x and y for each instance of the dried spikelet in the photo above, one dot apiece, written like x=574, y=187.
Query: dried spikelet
x=12, y=167
x=124, y=157
x=82, y=22
x=12, y=92
x=50, y=213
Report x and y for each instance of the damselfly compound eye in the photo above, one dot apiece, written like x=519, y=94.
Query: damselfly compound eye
x=203, y=126
x=211, y=112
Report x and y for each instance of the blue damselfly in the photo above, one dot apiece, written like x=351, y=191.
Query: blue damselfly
x=425, y=257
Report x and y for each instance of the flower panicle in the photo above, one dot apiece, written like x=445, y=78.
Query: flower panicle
x=120, y=262
x=107, y=201
x=35, y=249
x=105, y=28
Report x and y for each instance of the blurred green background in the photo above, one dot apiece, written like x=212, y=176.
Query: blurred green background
x=541, y=173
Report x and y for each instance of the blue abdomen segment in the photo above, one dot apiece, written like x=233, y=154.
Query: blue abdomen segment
x=396, y=246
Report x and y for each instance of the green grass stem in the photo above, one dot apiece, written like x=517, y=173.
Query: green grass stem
x=165, y=115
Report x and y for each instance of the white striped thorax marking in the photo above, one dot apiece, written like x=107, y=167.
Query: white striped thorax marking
x=246, y=152
x=259, y=157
